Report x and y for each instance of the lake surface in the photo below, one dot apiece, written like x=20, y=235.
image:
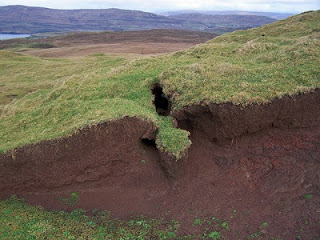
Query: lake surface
x=11, y=36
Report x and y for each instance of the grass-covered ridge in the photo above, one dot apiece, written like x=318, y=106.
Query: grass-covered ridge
x=242, y=67
x=62, y=95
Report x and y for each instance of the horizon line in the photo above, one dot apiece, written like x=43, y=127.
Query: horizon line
x=154, y=11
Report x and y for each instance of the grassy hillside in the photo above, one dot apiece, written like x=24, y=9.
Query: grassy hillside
x=21, y=75
x=85, y=91
x=257, y=65
x=242, y=67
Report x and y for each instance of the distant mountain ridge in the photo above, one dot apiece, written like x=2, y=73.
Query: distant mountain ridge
x=274, y=15
x=22, y=19
x=225, y=23
x=30, y=20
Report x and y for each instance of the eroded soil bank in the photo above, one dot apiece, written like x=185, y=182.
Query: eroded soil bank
x=218, y=122
x=248, y=166
x=105, y=152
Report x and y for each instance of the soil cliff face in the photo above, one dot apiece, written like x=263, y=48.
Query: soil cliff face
x=227, y=121
x=259, y=159
x=112, y=150
x=107, y=151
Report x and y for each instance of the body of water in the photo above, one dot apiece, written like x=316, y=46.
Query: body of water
x=11, y=36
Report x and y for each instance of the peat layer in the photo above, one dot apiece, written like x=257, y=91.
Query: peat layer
x=103, y=152
x=258, y=160
x=227, y=121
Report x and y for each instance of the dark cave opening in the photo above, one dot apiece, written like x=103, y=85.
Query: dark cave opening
x=149, y=142
x=161, y=102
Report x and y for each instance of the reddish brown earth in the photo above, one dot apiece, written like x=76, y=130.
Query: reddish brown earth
x=148, y=42
x=246, y=165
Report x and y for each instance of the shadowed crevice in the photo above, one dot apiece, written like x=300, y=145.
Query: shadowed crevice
x=161, y=102
x=149, y=142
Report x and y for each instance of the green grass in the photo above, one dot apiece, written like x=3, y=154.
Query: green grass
x=243, y=67
x=21, y=221
x=21, y=74
x=308, y=196
x=60, y=96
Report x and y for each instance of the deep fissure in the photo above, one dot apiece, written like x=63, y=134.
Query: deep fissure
x=161, y=102
x=149, y=142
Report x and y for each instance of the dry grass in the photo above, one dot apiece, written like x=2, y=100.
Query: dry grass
x=132, y=49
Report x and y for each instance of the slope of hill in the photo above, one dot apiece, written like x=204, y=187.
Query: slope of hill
x=226, y=130
x=225, y=23
x=244, y=67
x=22, y=19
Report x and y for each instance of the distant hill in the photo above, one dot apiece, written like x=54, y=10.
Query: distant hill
x=31, y=20
x=225, y=23
x=277, y=16
x=22, y=19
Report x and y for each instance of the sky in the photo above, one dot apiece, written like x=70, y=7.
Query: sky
x=289, y=6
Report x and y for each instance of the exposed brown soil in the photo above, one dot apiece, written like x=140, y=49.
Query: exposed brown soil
x=90, y=155
x=226, y=121
x=134, y=48
x=259, y=160
x=132, y=42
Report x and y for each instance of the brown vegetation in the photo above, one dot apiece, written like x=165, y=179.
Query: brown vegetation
x=132, y=42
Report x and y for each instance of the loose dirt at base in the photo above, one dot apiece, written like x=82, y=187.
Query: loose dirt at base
x=258, y=177
x=263, y=177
